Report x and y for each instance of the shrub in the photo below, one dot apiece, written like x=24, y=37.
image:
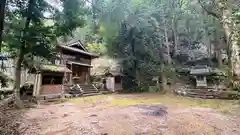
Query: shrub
x=235, y=84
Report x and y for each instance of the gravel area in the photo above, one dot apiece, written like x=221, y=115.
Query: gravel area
x=140, y=119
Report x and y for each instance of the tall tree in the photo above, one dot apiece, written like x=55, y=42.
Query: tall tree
x=223, y=10
x=2, y=15
x=37, y=25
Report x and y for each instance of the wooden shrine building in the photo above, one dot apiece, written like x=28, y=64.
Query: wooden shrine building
x=77, y=59
x=71, y=66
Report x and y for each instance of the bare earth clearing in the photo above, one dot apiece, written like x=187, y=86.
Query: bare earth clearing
x=133, y=114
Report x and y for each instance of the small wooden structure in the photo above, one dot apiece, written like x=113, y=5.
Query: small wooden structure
x=49, y=80
x=114, y=79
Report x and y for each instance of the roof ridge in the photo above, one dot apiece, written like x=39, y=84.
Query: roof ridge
x=79, y=42
x=78, y=50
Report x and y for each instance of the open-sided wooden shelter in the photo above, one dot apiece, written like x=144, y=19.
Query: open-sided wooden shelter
x=49, y=80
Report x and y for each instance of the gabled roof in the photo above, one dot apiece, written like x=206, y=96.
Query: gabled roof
x=78, y=43
x=77, y=50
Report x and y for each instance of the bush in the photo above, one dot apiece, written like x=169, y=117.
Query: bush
x=235, y=84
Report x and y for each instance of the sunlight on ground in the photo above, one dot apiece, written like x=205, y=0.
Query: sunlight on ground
x=146, y=98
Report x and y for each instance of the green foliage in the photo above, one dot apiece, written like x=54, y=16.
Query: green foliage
x=46, y=23
x=5, y=80
x=96, y=48
x=72, y=17
x=235, y=85
x=139, y=46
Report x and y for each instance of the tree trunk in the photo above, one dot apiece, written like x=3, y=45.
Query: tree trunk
x=18, y=73
x=175, y=36
x=18, y=79
x=176, y=6
x=188, y=31
x=167, y=46
x=219, y=52
x=135, y=61
x=22, y=53
x=163, y=78
x=206, y=37
x=95, y=27
x=2, y=16
x=227, y=23
x=218, y=44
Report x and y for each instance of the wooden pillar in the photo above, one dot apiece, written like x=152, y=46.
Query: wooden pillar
x=35, y=86
x=71, y=75
x=88, y=75
x=121, y=82
x=39, y=84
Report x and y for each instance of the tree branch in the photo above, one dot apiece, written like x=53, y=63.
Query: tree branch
x=218, y=16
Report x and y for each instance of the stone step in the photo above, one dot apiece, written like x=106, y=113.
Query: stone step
x=86, y=92
x=89, y=90
x=91, y=94
x=203, y=97
x=200, y=94
x=87, y=87
x=75, y=92
x=104, y=91
x=201, y=91
x=85, y=84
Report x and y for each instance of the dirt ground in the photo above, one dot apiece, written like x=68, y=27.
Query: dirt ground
x=131, y=114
